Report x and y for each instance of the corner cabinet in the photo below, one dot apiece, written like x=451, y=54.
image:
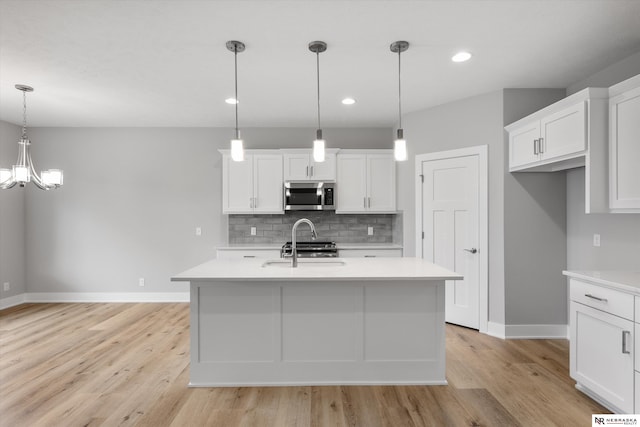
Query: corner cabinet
x=366, y=181
x=602, y=343
x=300, y=166
x=624, y=146
x=568, y=134
x=253, y=185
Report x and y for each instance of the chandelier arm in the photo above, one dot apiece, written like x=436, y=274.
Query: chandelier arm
x=9, y=184
x=35, y=178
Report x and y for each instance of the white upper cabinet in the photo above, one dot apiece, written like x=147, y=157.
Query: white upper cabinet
x=300, y=166
x=253, y=185
x=624, y=146
x=567, y=134
x=366, y=181
x=559, y=136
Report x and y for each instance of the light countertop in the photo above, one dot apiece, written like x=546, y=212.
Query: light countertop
x=626, y=281
x=369, y=269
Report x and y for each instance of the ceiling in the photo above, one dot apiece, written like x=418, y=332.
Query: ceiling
x=164, y=63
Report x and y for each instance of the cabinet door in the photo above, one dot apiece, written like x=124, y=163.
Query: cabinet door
x=324, y=171
x=381, y=183
x=351, y=183
x=522, y=145
x=624, y=155
x=599, y=360
x=268, y=185
x=296, y=167
x=237, y=185
x=564, y=132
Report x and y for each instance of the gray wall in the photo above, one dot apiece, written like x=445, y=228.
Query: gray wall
x=132, y=200
x=465, y=123
x=619, y=233
x=534, y=228
x=480, y=120
x=12, y=225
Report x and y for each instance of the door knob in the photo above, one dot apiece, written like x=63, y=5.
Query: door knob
x=472, y=250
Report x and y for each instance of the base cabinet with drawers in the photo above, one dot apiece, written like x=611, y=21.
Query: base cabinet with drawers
x=602, y=344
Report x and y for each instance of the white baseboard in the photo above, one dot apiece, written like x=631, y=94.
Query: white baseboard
x=44, y=297
x=496, y=330
x=537, y=331
x=12, y=301
x=499, y=330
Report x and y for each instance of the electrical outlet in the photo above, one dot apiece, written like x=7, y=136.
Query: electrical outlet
x=253, y=231
x=596, y=240
x=6, y=286
x=141, y=281
x=198, y=231
x=370, y=231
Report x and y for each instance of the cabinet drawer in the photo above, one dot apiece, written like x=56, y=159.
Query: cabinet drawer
x=249, y=253
x=609, y=300
x=369, y=253
x=638, y=313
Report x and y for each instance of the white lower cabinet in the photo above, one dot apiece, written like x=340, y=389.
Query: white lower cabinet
x=602, y=344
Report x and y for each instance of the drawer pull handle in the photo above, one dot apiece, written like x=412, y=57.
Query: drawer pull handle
x=595, y=298
x=625, y=334
x=369, y=256
x=248, y=256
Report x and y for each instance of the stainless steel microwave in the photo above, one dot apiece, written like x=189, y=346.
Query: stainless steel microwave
x=309, y=196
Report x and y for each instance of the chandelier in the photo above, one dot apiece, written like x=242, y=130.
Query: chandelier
x=24, y=171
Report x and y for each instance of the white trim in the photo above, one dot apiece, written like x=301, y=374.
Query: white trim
x=515, y=332
x=537, y=331
x=12, y=301
x=496, y=330
x=45, y=297
x=483, y=218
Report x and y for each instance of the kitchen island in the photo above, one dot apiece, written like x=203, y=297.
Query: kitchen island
x=328, y=321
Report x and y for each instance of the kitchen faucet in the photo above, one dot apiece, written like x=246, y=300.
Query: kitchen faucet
x=294, y=250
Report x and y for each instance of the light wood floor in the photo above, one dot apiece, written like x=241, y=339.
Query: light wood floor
x=128, y=364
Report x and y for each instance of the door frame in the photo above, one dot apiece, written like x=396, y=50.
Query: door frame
x=483, y=218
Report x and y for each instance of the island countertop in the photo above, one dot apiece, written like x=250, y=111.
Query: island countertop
x=312, y=269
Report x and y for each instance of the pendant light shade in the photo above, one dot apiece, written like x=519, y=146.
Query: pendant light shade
x=237, y=147
x=319, y=143
x=400, y=144
x=24, y=171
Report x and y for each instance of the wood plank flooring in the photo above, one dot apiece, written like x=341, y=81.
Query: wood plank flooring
x=128, y=364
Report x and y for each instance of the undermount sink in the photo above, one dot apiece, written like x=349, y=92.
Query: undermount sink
x=305, y=262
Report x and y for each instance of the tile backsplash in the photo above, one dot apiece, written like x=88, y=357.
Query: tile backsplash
x=350, y=228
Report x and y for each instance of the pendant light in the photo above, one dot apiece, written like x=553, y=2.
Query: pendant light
x=318, y=144
x=24, y=171
x=400, y=144
x=237, y=149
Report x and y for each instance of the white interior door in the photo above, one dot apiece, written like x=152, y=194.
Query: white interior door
x=451, y=221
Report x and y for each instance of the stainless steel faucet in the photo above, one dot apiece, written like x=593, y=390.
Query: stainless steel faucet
x=294, y=249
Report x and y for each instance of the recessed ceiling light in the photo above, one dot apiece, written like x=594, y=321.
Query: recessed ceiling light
x=461, y=57
x=231, y=101
x=348, y=101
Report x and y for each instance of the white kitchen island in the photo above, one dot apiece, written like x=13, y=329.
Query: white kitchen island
x=331, y=321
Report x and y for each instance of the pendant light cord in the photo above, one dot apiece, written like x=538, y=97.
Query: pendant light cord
x=318, y=79
x=235, y=58
x=399, y=93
